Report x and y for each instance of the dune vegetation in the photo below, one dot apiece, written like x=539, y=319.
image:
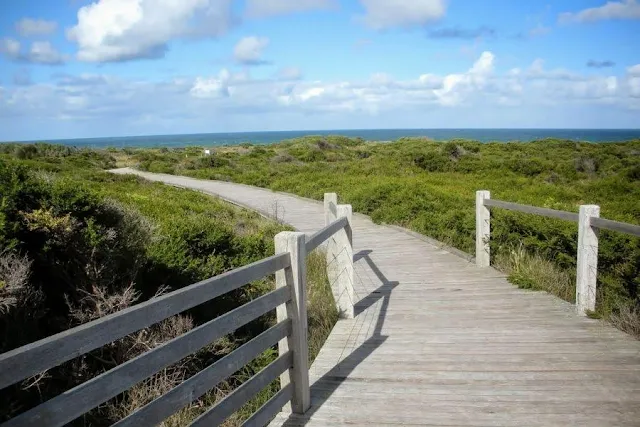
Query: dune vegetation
x=78, y=243
x=429, y=187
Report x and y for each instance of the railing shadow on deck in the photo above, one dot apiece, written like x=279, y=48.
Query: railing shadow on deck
x=326, y=385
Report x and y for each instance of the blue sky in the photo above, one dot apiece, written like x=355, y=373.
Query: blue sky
x=74, y=68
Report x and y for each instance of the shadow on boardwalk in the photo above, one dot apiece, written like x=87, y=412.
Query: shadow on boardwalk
x=326, y=385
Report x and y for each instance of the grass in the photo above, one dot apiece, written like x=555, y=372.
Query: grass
x=532, y=271
x=429, y=187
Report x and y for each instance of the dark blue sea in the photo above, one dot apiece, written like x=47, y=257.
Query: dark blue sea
x=483, y=135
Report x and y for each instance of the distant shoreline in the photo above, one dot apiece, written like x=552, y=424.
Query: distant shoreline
x=378, y=135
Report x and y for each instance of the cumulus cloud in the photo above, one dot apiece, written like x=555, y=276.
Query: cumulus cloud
x=624, y=9
x=226, y=96
x=385, y=14
x=262, y=8
x=35, y=27
x=592, y=63
x=461, y=33
x=634, y=70
x=212, y=87
x=10, y=47
x=249, y=50
x=120, y=30
x=39, y=53
x=290, y=73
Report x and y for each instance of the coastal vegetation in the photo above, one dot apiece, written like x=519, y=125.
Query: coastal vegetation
x=429, y=187
x=78, y=243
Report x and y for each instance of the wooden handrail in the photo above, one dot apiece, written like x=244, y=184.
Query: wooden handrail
x=180, y=396
x=588, y=220
x=621, y=227
x=71, y=404
x=551, y=213
x=322, y=235
x=289, y=299
x=46, y=353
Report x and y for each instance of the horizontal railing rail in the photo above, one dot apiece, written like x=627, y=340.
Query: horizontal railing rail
x=322, y=235
x=46, y=353
x=290, y=333
x=589, y=222
x=180, y=396
x=621, y=227
x=550, y=213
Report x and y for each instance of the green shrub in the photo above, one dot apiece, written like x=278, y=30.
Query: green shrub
x=435, y=162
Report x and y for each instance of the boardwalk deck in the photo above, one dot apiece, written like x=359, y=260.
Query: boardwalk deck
x=437, y=341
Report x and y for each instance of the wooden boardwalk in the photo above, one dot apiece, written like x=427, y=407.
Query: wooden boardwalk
x=438, y=341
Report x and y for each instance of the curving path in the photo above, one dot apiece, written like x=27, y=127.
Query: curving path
x=439, y=342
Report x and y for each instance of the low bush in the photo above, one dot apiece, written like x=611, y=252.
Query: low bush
x=80, y=244
x=429, y=186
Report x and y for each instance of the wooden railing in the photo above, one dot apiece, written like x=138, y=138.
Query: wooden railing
x=290, y=333
x=589, y=222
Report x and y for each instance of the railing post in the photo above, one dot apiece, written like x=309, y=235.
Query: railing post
x=330, y=207
x=587, y=271
x=483, y=229
x=295, y=278
x=340, y=256
x=344, y=263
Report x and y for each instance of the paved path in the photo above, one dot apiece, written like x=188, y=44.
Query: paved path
x=439, y=342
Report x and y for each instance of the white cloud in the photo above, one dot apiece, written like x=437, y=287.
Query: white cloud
x=44, y=53
x=624, y=9
x=248, y=50
x=10, y=47
x=265, y=8
x=383, y=14
x=223, y=101
x=212, y=87
x=456, y=87
x=634, y=70
x=119, y=30
x=39, y=53
x=35, y=27
x=290, y=73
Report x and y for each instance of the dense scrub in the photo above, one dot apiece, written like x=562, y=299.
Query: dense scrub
x=430, y=186
x=77, y=243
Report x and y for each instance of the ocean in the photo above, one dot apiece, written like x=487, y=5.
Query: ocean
x=482, y=135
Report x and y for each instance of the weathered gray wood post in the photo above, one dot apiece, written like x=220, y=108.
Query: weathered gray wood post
x=340, y=256
x=483, y=229
x=344, y=259
x=330, y=208
x=587, y=271
x=295, y=277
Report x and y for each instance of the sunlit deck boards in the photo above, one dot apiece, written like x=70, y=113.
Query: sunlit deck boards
x=437, y=341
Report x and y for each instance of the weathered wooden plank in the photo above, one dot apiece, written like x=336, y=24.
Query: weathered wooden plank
x=191, y=389
x=269, y=410
x=322, y=235
x=621, y=227
x=86, y=396
x=36, y=357
x=227, y=406
x=550, y=213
